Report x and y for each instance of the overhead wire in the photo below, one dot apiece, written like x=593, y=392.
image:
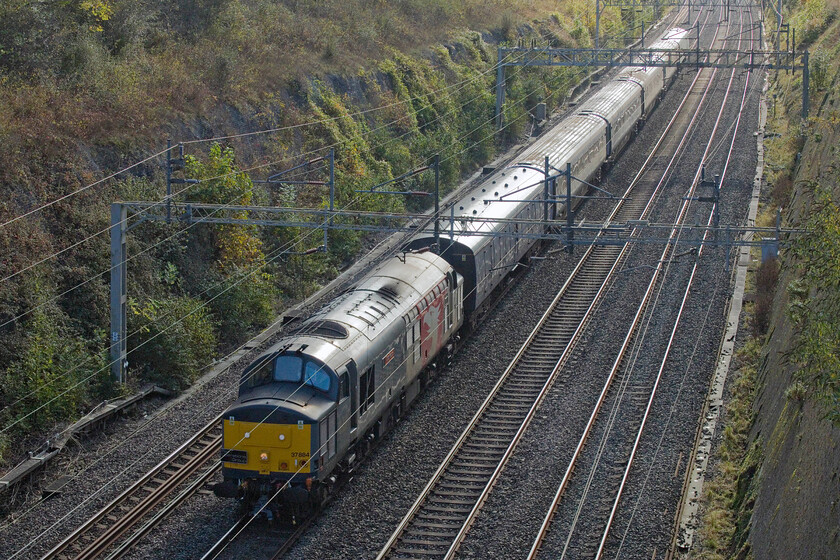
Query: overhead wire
x=481, y=140
x=635, y=353
x=320, y=449
x=511, y=122
x=753, y=87
x=133, y=463
x=229, y=137
x=215, y=211
x=385, y=142
x=82, y=189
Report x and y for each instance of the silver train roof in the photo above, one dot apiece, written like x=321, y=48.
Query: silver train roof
x=358, y=316
x=561, y=145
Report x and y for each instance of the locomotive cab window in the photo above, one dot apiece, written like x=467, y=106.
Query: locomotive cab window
x=287, y=368
x=316, y=376
x=296, y=369
x=259, y=373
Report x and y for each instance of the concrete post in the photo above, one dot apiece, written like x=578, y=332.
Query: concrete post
x=806, y=95
x=546, y=194
x=570, y=219
x=168, y=181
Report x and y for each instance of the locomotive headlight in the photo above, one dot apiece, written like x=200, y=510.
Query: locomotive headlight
x=264, y=457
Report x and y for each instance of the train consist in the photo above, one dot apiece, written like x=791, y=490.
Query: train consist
x=310, y=406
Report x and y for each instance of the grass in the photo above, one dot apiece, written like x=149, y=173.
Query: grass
x=729, y=495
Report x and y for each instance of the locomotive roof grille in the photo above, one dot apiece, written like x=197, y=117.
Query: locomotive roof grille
x=322, y=328
x=388, y=291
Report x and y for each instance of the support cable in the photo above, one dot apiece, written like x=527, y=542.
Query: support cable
x=127, y=438
x=234, y=136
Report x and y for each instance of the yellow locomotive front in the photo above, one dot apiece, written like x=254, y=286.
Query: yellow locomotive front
x=270, y=442
x=263, y=449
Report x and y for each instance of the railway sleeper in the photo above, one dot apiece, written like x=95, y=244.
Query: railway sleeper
x=425, y=533
x=413, y=553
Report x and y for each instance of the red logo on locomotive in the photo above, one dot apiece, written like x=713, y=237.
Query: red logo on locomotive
x=432, y=328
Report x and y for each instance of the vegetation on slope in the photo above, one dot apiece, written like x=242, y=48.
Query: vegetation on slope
x=89, y=86
x=814, y=295
x=729, y=495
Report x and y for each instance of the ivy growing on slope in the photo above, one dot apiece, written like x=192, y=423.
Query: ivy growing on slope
x=815, y=303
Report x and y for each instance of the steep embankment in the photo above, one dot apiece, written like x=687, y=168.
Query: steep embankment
x=777, y=490
x=90, y=86
x=797, y=501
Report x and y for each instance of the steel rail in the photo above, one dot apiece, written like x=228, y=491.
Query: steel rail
x=495, y=391
x=101, y=531
x=223, y=541
x=671, y=339
x=164, y=512
x=629, y=336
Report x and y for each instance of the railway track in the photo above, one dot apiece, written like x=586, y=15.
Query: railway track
x=280, y=539
x=145, y=504
x=439, y=519
x=632, y=403
x=131, y=515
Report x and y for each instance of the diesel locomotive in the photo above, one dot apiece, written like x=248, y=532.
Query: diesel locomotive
x=310, y=406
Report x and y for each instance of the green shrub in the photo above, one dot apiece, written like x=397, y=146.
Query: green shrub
x=176, y=340
x=56, y=376
x=820, y=66
x=244, y=300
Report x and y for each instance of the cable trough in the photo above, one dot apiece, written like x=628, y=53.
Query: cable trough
x=53, y=447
